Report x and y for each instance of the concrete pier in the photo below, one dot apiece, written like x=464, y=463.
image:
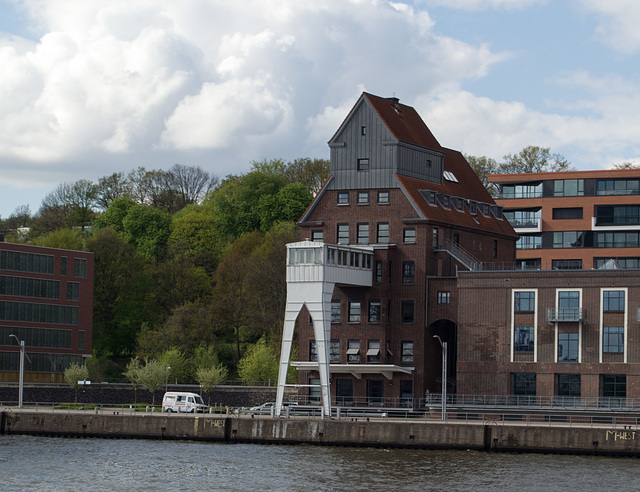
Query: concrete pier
x=507, y=437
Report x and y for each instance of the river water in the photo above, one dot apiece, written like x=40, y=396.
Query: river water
x=59, y=464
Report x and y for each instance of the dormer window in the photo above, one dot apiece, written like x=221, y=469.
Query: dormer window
x=363, y=164
x=445, y=200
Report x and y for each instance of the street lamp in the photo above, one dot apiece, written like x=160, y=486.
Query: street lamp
x=21, y=386
x=444, y=377
x=166, y=383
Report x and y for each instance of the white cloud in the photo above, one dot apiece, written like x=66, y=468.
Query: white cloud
x=618, y=22
x=482, y=4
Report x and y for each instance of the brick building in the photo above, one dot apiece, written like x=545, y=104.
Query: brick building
x=550, y=334
x=418, y=213
x=46, y=300
x=574, y=220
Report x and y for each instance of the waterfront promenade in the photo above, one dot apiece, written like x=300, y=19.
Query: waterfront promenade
x=573, y=437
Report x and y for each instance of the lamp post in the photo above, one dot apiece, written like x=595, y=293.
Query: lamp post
x=444, y=377
x=166, y=382
x=21, y=384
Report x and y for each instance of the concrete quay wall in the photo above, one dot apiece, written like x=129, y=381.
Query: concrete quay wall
x=266, y=430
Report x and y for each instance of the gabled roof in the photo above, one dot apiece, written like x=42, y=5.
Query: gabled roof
x=403, y=121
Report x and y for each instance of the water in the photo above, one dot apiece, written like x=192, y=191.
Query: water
x=58, y=464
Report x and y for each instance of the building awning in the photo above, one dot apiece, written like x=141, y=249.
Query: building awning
x=356, y=370
x=353, y=351
x=373, y=352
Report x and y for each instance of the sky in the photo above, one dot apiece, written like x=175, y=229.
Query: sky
x=89, y=88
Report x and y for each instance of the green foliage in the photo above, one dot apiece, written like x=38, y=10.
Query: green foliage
x=194, y=234
x=65, y=239
x=153, y=376
x=258, y=364
x=288, y=204
x=147, y=229
x=120, y=290
x=115, y=213
x=134, y=375
x=204, y=356
x=178, y=365
x=483, y=166
x=210, y=377
x=75, y=373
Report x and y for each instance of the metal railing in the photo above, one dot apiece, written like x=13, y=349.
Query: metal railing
x=565, y=314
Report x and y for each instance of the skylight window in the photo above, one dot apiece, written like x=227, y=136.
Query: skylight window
x=449, y=176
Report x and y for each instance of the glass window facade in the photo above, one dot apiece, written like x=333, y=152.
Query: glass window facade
x=523, y=339
x=613, y=339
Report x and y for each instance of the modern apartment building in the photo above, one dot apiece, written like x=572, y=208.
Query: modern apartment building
x=574, y=220
x=46, y=301
x=399, y=216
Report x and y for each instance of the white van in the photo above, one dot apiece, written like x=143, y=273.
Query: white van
x=175, y=401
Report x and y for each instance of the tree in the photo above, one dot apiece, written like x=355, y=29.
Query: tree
x=110, y=188
x=64, y=239
x=134, y=375
x=288, y=204
x=115, y=214
x=190, y=183
x=533, y=159
x=626, y=165
x=74, y=374
x=177, y=363
x=147, y=229
x=483, y=166
x=210, y=377
x=120, y=291
x=82, y=200
x=21, y=217
x=258, y=364
x=311, y=173
x=153, y=376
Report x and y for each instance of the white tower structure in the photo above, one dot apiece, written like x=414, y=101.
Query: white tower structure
x=313, y=270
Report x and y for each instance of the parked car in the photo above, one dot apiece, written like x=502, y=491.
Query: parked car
x=175, y=401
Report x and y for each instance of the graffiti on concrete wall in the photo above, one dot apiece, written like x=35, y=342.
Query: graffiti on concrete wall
x=621, y=435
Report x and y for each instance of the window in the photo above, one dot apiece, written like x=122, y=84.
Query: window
x=363, y=164
x=409, y=235
x=406, y=393
x=632, y=263
x=566, y=264
x=617, y=240
x=363, y=233
x=315, y=393
x=383, y=233
x=436, y=243
x=374, y=311
x=613, y=300
x=568, y=347
x=614, y=385
x=317, y=236
x=79, y=267
x=378, y=278
x=383, y=197
x=343, y=198
x=618, y=187
x=407, y=352
x=530, y=190
x=335, y=311
x=568, y=239
x=354, y=311
x=569, y=299
x=408, y=272
x=334, y=352
x=81, y=338
x=495, y=248
x=363, y=130
x=344, y=391
x=613, y=339
x=568, y=384
x=353, y=352
x=375, y=391
x=313, y=351
x=444, y=297
x=567, y=213
x=73, y=291
x=524, y=302
x=407, y=311
x=528, y=264
x=523, y=339
x=568, y=187
x=523, y=383
x=63, y=265
x=456, y=240
x=363, y=198
x=373, y=351
x=524, y=218
x=617, y=215
x=343, y=233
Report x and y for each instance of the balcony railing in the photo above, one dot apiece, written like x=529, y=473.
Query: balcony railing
x=555, y=315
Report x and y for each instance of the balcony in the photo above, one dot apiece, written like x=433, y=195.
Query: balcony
x=524, y=226
x=605, y=224
x=559, y=315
